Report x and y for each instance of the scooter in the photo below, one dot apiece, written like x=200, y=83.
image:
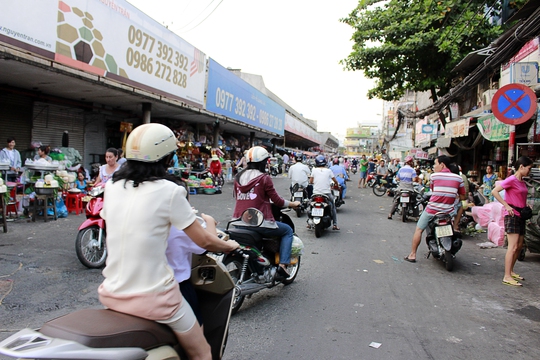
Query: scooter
x=255, y=266
x=411, y=202
x=385, y=186
x=443, y=243
x=337, y=191
x=319, y=213
x=371, y=179
x=90, y=244
x=300, y=194
x=102, y=334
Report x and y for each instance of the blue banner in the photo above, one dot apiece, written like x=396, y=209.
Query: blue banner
x=229, y=95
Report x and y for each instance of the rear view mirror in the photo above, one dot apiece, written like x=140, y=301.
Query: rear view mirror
x=252, y=217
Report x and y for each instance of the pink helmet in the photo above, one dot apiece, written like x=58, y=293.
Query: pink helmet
x=408, y=159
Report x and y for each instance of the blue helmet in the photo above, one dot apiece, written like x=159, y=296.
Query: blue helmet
x=320, y=160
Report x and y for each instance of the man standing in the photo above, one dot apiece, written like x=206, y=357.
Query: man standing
x=299, y=174
x=285, y=163
x=445, y=187
x=321, y=177
x=363, y=172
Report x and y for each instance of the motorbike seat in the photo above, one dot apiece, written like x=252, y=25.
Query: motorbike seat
x=246, y=237
x=102, y=328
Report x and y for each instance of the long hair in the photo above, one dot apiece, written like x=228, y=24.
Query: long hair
x=261, y=166
x=139, y=172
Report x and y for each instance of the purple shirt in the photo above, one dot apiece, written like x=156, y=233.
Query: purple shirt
x=516, y=193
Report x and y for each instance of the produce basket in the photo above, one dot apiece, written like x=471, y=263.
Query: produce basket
x=209, y=191
x=45, y=191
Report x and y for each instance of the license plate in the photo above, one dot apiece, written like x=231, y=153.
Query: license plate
x=317, y=212
x=298, y=194
x=335, y=192
x=443, y=231
x=404, y=199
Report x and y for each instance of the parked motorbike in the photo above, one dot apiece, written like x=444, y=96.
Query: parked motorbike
x=371, y=179
x=411, y=202
x=90, y=245
x=106, y=335
x=443, y=243
x=274, y=170
x=300, y=194
x=319, y=213
x=254, y=268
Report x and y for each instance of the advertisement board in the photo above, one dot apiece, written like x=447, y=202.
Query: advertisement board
x=231, y=96
x=108, y=38
x=297, y=127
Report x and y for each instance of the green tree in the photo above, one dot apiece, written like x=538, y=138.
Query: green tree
x=414, y=44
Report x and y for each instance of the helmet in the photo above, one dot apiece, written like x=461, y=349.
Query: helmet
x=257, y=154
x=408, y=158
x=336, y=161
x=150, y=143
x=299, y=158
x=320, y=160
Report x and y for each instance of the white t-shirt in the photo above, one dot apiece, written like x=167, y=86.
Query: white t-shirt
x=138, y=279
x=322, y=178
x=299, y=174
x=179, y=252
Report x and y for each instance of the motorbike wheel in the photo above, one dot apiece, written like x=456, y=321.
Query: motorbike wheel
x=404, y=214
x=318, y=230
x=234, y=266
x=87, y=250
x=448, y=260
x=379, y=190
x=293, y=270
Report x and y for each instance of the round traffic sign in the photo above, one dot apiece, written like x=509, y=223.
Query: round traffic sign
x=514, y=104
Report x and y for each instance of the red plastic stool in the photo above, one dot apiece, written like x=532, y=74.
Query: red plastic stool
x=74, y=203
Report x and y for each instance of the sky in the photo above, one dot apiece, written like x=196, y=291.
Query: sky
x=295, y=45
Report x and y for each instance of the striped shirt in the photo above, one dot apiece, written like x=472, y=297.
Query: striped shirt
x=406, y=174
x=445, y=188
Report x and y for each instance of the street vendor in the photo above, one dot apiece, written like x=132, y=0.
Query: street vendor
x=10, y=155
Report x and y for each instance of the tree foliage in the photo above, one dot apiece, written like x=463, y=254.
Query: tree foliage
x=414, y=44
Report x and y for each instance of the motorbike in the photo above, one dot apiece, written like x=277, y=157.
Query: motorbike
x=411, y=202
x=274, y=170
x=337, y=191
x=354, y=169
x=319, y=213
x=385, y=186
x=370, y=179
x=443, y=243
x=104, y=334
x=255, y=266
x=90, y=245
x=300, y=193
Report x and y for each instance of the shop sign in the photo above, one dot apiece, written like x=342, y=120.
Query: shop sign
x=492, y=129
x=428, y=129
x=457, y=128
x=421, y=155
x=107, y=38
x=229, y=95
x=421, y=137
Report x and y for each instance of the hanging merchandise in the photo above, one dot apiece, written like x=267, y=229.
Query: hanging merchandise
x=498, y=154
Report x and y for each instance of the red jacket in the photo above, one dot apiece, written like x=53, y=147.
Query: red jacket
x=257, y=194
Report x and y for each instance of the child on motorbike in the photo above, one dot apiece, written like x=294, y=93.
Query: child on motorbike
x=253, y=188
x=141, y=203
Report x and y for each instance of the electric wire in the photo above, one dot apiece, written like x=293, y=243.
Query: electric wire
x=205, y=17
x=194, y=18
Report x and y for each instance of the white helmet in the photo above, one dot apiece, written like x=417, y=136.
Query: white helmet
x=257, y=154
x=150, y=143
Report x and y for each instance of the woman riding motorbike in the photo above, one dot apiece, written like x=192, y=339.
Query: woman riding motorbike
x=139, y=207
x=253, y=188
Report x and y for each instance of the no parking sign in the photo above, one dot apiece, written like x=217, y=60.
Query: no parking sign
x=514, y=104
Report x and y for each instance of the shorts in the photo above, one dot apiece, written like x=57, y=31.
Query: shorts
x=183, y=320
x=424, y=220
x=363, y=174
x=514, y=225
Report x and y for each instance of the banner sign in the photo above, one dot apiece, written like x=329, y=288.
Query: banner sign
x=492, y=129
x=420, y=136
x=229, y=95
x=297, y=127
x=457, y=128
x=108, y=38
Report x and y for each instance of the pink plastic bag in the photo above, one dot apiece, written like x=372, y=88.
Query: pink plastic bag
x=495, y=233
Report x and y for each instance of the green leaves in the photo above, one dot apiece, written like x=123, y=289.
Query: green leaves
x=414, y=44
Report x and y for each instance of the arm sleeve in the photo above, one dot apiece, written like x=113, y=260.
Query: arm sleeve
x=181, y=215
x=272, y=193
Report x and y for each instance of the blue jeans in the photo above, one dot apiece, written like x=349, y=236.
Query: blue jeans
x=286, y=233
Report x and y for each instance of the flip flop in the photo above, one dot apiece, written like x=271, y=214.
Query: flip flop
x=518, y=277
x=335, y=227
x=406, y=258
x=512, y=283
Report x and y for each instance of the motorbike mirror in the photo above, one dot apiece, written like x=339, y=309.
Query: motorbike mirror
x=252, y=217
x=96, y=190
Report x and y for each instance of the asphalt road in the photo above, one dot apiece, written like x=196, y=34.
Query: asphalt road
x=353, y=289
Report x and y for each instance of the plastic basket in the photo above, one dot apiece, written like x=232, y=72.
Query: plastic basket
x=45, y=191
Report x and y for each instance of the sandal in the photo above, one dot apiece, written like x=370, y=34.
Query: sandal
x=512, y=282
x=518, y=277
x=335, y=227
x=389, y=217
x=283, y=272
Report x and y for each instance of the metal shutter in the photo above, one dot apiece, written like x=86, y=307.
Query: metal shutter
x=50, y=122
x=16, y=120
x=95, y=139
